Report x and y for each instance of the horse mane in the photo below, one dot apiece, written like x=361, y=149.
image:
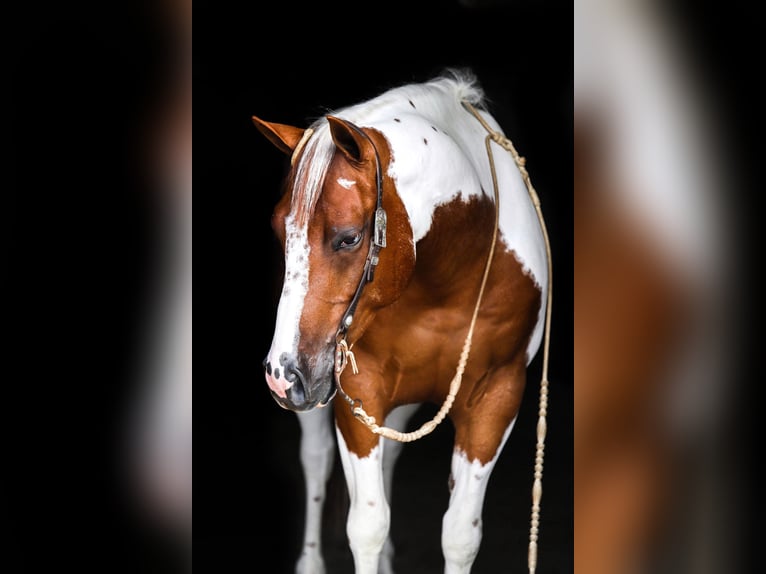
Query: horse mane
x=448, y=89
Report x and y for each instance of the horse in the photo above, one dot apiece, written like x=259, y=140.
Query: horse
x=403, y=233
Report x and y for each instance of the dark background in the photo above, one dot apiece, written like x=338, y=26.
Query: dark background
x=83, y=219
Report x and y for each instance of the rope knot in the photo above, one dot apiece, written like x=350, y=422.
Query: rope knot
x=343, y=356
x=501, y=140
x=362, y=415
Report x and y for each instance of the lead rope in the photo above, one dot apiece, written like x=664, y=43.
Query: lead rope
x=344, y=354
x=542, y=425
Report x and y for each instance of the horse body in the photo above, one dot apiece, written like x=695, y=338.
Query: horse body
x=407, y=328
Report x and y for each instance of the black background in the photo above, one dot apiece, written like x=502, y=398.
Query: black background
x=85, y=254
x=83, y=229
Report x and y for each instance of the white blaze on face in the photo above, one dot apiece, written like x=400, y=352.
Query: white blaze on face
x=296, y=284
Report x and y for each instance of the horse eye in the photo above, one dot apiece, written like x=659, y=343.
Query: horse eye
x=347, y=240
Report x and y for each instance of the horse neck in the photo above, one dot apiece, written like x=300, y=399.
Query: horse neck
x=440, y=183
x=453, y=253
x=453, y=169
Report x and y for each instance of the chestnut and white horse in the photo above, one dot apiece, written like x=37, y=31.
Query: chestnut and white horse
x=396, y=223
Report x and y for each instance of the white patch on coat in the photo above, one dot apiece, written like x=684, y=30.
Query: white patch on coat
x=454, y=165
x=345, y=183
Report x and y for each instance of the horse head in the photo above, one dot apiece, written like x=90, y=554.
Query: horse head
x=348, y=248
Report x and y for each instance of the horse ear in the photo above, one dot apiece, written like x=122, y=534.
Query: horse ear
x=348, y=138
x=283, y=136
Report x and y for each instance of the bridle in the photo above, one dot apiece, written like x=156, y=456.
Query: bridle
x=343, y=353
x=377, y=242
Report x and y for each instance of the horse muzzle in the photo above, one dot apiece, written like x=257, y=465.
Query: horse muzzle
x=295, y=387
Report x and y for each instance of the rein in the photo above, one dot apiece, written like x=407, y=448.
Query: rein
x=344, y=354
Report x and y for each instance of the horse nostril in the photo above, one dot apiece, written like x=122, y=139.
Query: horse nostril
x=293, y=374
x=267, y=366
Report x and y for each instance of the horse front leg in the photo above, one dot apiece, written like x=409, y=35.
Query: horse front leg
x=462, y=523
x=317, y=452
x=369, y=518
x=398, y=419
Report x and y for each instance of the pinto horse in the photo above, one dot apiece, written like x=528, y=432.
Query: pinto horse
x=403, y=234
